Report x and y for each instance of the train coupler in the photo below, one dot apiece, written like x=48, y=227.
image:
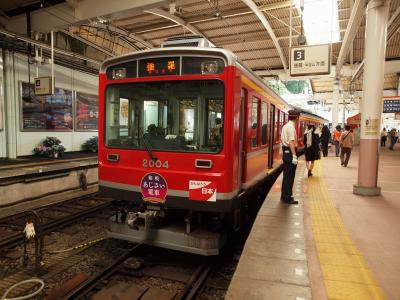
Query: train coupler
x=134, y=219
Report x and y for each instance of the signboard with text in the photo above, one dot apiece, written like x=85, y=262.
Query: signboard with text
x=43, y=86
x=391, y=105
x=310, y=60
x=203, y=190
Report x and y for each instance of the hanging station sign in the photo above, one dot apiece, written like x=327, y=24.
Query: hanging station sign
x=43, y=86
x=310, y=60
x=391, y=104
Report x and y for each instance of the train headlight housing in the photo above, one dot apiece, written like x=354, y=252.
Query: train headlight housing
x=209, y=67
x=118, y=73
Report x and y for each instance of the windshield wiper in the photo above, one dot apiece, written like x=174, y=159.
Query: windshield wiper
x=147, y=145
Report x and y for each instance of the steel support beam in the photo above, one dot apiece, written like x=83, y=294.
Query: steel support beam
x=48, y=47
x=269, y=29
x=390, y=34
x=166, y=15
x=124, y=33
x=89, y=43
x=351, y=31
x=87, y=9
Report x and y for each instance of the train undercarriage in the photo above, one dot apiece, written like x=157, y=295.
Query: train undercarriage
x=199, y=232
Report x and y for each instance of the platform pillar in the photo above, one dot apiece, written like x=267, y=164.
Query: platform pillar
x=335, y=104
x=371, y=104
x=10, y=106
x=398, y=84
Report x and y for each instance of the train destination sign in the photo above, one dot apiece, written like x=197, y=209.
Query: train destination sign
x=160, y=66
x=310, y=60
x=391, y=105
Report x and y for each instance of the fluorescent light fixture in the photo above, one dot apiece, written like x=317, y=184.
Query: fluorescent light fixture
x=320, y=21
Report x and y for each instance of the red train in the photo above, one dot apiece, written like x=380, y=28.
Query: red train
x=188, y=137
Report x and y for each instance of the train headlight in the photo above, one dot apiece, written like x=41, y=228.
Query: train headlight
x=118, y=73
x=209, y=67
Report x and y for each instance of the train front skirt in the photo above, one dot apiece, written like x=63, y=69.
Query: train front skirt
x=198, y=241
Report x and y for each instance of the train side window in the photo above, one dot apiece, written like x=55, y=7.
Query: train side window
x=276, y=126
x=215, y=124
x=264, y=121
x=254, y=122
x=282, y=122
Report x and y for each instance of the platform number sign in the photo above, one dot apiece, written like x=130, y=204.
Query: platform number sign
x=310, y=60
x=299, y=54
x=43, y=86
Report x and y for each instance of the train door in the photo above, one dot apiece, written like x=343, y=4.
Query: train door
x=271, y=136
x=243, y=96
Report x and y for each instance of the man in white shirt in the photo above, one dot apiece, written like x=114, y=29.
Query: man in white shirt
x=289, y=156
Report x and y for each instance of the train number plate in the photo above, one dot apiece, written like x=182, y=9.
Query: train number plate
x=149, y=163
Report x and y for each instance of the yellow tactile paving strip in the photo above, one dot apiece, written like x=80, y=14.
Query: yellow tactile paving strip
x=346, y=274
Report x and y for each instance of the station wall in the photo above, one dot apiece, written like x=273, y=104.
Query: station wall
x=64, y=78
x=2, y=112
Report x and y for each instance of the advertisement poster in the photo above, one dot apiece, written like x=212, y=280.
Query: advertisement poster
x=52, y=112
x=202, y=190
x=87, y=112
x=123, y=112
x=372, y=126
x=1, y=101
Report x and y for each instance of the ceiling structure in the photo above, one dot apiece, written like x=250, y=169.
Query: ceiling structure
x=230, y=24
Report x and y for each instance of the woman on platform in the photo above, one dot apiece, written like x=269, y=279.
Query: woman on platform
x=311, y=143
x=325, y=138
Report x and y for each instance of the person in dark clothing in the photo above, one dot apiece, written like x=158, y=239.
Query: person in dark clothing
x=325, y=138
x=311, y=143
x=384, y=135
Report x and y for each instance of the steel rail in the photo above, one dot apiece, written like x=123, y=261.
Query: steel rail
x=18, y=238
x=86, y=287
x=195, y=282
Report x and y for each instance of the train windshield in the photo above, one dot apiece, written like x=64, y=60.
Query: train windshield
x=183, y=116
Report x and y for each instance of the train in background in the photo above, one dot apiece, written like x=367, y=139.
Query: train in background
x=188, y=139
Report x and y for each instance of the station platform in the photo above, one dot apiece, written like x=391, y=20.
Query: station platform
x=32, y=177
x=332, y=245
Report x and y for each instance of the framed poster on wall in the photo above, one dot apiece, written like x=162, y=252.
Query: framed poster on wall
x=86, y=112
x=1, y=104
x=43, y=113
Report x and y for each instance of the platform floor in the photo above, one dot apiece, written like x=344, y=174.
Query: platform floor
x=34, y=165
x=333, y=245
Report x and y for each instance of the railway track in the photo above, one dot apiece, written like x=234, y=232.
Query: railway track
x=190, y=291
x=51, y=216
x=89, y=285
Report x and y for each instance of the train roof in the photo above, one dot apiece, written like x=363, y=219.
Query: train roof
x=229, y=56
x=307, y=113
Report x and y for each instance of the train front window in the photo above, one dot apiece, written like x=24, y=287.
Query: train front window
x=184, y=116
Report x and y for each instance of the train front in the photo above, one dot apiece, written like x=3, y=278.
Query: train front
x=164, y=147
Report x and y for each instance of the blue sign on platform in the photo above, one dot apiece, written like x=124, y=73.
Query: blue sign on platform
x=391, y=106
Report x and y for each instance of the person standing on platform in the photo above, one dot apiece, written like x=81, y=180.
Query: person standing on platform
x=289, y=157
x=336, y=139
x=384, y=135
x=311, y=143
x=325, y=138
x=346, y=143
x=393, y=138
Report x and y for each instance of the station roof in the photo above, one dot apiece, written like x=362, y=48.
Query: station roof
x=230, y=24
